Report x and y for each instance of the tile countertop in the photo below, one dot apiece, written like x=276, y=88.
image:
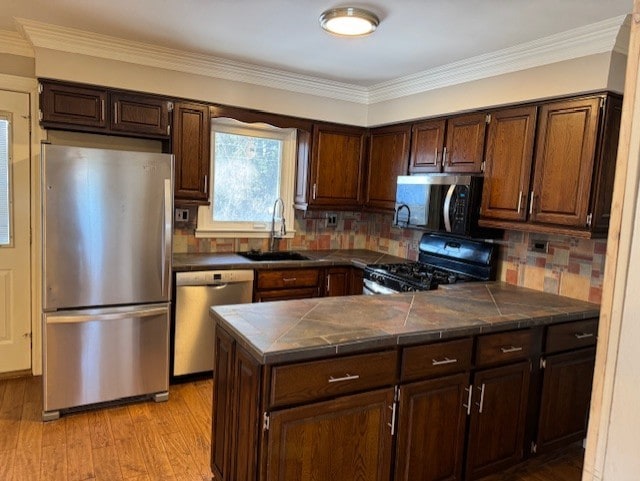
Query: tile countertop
x=286, y=331
x=335, y=257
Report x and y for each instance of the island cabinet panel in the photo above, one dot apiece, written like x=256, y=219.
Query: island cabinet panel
x=508, y=162
x=345, y=439
x=190, y=140
x=427, y=146
x=431, y=429
x=566, y=395
x=337, y=281
x=388, y=158
x=73, y=106
x=564, y=162
x=497, y=422
x=465, y=143
x=337, y=166
x=236, y=413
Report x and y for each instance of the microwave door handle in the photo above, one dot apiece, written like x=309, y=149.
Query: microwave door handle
x=447, y=207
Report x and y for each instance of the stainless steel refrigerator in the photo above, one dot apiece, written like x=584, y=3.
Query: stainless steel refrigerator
x=107, y=229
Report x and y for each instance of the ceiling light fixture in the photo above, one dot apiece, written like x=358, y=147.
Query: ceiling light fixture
x=349, y=21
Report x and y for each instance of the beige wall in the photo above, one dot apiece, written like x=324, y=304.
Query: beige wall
x=112, y=73
x=562, y=78
x=17, y=65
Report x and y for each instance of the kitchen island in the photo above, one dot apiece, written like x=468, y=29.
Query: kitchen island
x=413, y=386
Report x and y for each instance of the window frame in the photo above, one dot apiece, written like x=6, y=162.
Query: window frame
x=207, y=227
x=8, y=117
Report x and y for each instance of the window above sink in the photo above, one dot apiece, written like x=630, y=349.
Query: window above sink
x=251, y=166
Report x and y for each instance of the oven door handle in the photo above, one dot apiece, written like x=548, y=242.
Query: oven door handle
x=447, y=207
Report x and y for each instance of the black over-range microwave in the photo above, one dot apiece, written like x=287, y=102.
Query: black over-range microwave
x=441, y=203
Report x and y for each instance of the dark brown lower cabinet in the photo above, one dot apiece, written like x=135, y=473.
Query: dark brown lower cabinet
x=235, y=436
x=498, y=414
x=431, y=429
x=345, y=439
x=566, y=395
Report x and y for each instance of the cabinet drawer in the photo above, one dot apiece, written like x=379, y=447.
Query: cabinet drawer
x=286, y=294
x=309, y=381
x=504, y=347
x=436, y=359
x=571, y=335
x=286, y=278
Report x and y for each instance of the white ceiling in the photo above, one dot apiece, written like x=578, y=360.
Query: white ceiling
x=413, y=36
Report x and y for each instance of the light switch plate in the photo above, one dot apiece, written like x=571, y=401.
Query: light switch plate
x=182, y=215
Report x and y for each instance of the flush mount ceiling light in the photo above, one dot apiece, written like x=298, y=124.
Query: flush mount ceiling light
x=349, y=21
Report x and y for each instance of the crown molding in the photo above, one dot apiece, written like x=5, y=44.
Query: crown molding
x=622, y=41
x=591, y=39
x=579, y=42
x=97, y=45
x=13, y=43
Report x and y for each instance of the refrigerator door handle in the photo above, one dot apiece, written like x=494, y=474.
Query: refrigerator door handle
x=76, y=317
x=166, y=243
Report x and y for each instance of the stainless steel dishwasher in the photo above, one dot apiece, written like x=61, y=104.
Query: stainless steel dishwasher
x=196, y=292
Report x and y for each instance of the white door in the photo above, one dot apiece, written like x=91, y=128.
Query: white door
x=15, y=267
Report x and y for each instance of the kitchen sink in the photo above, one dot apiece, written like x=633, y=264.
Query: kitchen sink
x=273, y=256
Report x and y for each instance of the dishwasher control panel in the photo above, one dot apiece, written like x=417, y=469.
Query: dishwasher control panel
x=203, y=278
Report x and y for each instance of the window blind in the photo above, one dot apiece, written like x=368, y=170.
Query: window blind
x=5, y=234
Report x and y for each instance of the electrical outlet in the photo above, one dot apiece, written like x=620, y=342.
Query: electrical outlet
x=332, y=220
x=182, y=215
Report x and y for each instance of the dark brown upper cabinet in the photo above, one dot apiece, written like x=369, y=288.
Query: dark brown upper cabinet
x=336, y=173
x=388, y=158
x=427, y=145
x=455, y=144
x=191, y=140
x=464, y=146
x=64, y=106
x=572, y=175
x=85, y=108
x=508, y=162
x=140, y=114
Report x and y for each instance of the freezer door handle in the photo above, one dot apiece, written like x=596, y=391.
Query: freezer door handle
x=76, y=317
x=166, y=243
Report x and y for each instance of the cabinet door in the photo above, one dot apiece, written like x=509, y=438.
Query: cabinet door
x=356, y=281
x=498, y=414
x=565, y=152
x=465, y=143
x=337, y=281
x=388, y=158
x=431, y=427
x=336, y=170
x=508, y=164
x=139, y=114
x=427, y=144
x=73, y=106
x=345, y=439
x=566, y=394
x=190, y=140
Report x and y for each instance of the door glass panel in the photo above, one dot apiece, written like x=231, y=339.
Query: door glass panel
x=5, y=221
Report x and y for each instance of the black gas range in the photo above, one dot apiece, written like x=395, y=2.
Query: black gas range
x=442, y=260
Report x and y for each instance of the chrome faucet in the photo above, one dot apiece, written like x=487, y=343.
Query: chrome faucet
x=283, y=226
x=400, y=207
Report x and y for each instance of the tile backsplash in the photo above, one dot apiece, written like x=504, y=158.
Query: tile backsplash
x=570, y=266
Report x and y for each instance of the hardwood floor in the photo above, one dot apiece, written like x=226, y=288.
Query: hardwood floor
x=150, y=442
x=138, y=442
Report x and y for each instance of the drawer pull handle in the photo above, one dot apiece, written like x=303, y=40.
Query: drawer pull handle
x=446, y=360
x=583, y=335
x=348, y=377
x=289, y=279
x=509, y=350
